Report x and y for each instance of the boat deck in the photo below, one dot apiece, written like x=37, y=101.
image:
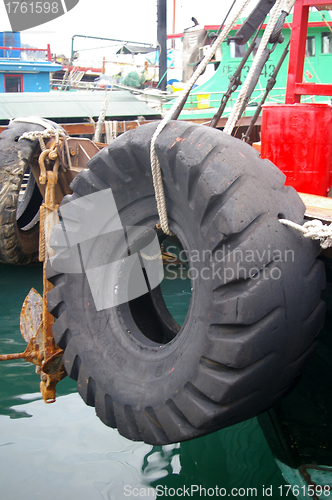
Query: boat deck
x=64, y=107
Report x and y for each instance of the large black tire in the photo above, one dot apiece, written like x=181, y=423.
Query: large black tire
x=245, y=340
x=19, y=219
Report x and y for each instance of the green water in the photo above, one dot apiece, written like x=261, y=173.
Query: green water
x=63, y=451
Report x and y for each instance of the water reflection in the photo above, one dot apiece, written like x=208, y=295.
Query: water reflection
x=62, y=450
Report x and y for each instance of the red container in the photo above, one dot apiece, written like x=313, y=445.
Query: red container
x=298, y=139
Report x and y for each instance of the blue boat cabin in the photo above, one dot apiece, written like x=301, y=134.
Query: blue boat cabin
x=19, y=74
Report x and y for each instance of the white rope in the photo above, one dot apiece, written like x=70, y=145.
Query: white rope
x=102, y=115
x=114, y=129
x=234, y=116
x=111, y=130
x=49, y=131
x=155, y=166
x=108, y=134
x=35, y=120
x=36, y=134
x=150, y=257
x=47, y=134
x=314, y=230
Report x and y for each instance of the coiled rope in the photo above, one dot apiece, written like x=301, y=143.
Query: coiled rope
x=155, y=165
x=49, y=131
x=41, y=135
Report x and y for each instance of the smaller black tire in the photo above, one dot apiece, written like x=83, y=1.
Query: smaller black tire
x=19, y=210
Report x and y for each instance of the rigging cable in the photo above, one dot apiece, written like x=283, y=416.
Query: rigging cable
x=234, y=116
x=155, y=166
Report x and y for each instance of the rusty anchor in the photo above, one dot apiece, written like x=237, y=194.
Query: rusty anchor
x=35, y=320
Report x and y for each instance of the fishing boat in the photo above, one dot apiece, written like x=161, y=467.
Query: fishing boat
x=228, y=70
x=25, y=90
x=255, y=312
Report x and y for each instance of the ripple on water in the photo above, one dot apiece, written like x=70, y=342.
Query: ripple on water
x=63, y=450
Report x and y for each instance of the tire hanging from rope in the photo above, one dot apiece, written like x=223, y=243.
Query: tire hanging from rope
x=249, y=318
x=155, y=167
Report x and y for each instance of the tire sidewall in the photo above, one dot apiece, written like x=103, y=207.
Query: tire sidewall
x=236, y=200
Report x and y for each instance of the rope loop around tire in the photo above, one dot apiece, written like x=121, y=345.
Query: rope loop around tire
x=155, y=166
x=314, y=229
x=254, y=310
x=50, y=130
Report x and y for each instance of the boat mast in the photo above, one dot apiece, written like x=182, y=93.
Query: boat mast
x=161, y=40
x=174, y=7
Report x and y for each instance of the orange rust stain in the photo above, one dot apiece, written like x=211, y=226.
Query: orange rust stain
x=178, y=139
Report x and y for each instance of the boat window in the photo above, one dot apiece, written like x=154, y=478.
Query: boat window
x=326, y=42
x=310, y=47
x=237, y=50
x=13, y=83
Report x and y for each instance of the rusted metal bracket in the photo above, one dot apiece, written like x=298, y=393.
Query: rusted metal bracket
x=60, y=160
x=35, y=320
